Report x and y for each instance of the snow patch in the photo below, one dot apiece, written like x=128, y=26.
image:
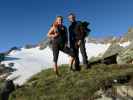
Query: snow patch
x=31, y=61
x=125, y=44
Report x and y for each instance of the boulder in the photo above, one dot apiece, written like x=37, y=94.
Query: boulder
x=113, y=50
x=126, y=57
x=2, y=57
x=7, y=88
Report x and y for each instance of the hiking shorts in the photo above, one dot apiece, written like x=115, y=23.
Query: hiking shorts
x=57, y=47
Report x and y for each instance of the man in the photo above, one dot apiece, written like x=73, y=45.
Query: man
x=77, y=38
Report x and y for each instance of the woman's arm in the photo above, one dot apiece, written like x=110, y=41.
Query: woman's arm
x=52, y=33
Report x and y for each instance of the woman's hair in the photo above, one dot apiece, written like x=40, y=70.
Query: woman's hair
x=55, y=23
x=59, y=17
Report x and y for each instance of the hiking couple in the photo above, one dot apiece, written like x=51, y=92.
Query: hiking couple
x=76, y=37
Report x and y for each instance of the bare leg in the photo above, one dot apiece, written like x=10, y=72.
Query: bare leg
x=55, y=58
x=71, y=62
x=56, y=69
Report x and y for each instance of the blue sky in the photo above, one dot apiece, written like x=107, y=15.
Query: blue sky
x=27, y=21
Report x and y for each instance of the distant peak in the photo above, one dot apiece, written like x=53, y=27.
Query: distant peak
x=130, y=29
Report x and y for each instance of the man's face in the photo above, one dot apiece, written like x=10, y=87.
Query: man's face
x=71, y=18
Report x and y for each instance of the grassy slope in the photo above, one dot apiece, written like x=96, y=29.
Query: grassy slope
x=1, y=84
x=71, y=85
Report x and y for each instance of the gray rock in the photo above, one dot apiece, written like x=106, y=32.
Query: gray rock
x=112, y=50
x=29, y=46
x=7, y=88
x=125, y=57
x=129, y=34
x=130, y=46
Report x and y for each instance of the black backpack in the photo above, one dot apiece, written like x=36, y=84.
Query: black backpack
x=87, y=30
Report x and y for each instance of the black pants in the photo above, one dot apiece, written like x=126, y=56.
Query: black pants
x=83, y=51
x=58, y=47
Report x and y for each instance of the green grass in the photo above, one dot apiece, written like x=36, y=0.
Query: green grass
x=1, y=85
x=71, y=85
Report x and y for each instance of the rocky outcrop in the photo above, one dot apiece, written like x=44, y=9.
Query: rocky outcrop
x=29, y=46
x=5, y=71
x=129, y=34
x=126, y=56
x=7, y=88
x=110, y=56
x=119, y=92
x=112, y=50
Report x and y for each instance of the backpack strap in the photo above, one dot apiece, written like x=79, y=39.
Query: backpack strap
x=79, y=30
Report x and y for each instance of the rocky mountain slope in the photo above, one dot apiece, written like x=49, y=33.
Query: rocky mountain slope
x=29, y=60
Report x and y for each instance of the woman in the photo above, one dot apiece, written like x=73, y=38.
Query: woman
x=58, y=35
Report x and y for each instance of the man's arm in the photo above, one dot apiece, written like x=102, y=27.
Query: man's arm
x=79, y=30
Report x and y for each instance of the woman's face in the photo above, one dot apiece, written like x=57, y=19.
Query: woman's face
x=59, y=20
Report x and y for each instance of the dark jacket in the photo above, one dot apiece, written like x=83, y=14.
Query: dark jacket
x=74, y=33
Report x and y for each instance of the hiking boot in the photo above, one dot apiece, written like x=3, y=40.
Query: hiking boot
x=58, y=75
x=78, y=68
x=72, y=69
